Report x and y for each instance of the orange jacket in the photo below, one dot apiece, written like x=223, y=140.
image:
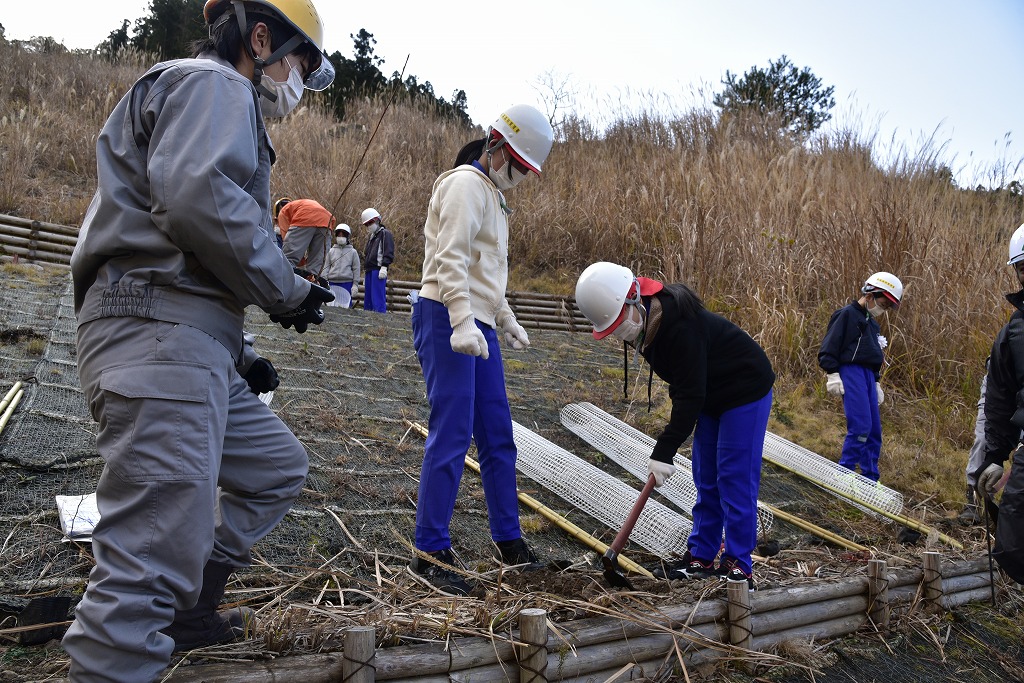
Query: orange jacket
x=303, y=213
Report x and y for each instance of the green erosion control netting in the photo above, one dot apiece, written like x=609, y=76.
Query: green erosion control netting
x=348, y=390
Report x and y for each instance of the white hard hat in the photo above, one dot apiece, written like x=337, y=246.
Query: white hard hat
x=527, y=132
x=343, y=227
x=602, y=293
x=1016, y=246
x=886, y=283
x=369, y=215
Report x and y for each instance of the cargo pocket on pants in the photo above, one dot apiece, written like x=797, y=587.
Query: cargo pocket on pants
x=155, y=421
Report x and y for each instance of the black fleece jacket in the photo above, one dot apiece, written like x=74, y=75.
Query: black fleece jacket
x=1004, y=389
x=710, y=365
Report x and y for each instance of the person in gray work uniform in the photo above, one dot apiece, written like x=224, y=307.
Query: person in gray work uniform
x=176, y=243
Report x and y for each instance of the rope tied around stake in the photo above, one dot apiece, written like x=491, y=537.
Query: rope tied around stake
x=359, y=666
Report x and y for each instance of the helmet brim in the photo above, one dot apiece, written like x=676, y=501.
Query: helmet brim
x=611, y=328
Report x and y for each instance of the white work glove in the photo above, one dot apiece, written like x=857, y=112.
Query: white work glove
x=382, y=274
x=661, y=471
x=467, y=338
x=834, y=384
x=988, y=481
x=881, y=394
x=515, y=335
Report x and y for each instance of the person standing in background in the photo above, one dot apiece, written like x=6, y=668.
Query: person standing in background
x=851, y=355
x=378, y=255
x=342, y=270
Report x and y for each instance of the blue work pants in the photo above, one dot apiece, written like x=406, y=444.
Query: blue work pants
x=863, y=442
x=375, y=292
x=727, y=454
x=467, y=401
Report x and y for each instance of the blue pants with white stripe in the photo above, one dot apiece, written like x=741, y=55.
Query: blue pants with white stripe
x=863, y=442
x=467, y=401
x=727, y=454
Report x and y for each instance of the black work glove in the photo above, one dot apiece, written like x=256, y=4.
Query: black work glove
x=262, y=377
x=308, y=312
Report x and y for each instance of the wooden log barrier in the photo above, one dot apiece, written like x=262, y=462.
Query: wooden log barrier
x=600, y=647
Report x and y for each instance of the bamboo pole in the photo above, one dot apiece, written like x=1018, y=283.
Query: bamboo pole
x=818, y=531
x=10, y=409
x=906, y=521
x=10, y=395
x=533, y=653
x=552, y=516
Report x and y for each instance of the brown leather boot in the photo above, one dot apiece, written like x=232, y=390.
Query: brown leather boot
x=203, y=625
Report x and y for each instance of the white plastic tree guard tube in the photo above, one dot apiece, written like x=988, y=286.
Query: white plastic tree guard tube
x=601, y=495
x=786, y=454
x=831, y=475
x=631, y=449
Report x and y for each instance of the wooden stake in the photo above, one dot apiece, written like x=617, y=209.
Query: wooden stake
x=878, y=594
x=358, y=665
x=932, y=581
x=533, y=654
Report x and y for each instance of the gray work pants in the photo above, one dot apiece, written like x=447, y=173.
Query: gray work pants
x=196, y=468
x=313, y=243
x=977, y=454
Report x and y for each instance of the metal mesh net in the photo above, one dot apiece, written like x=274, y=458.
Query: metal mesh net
x=631, y=449
x=604, y=497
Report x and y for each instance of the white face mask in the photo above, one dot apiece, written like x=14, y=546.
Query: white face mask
x=875, y=311
x=631, y=326
x=341, y=241
x=288, y=93
x=507, y=177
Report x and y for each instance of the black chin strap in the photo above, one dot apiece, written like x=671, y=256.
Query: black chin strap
x=259, y=63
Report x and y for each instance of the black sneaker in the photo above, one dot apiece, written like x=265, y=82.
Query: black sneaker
x=673, y=570
x=698, y=569
x=440, y=570
x=516, y=552
x=731, y=571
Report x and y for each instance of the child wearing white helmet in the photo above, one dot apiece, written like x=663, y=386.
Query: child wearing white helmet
x=378, y=255
x=720, y=382
x=342, y=269
x=457, y=320
x=851, y=355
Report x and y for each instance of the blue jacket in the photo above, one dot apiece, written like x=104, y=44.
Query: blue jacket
x=851, y=338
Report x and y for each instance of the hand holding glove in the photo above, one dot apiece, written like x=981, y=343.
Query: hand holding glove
x=834, y=384
x=988, y=481
x=262, y=377
x=308, y=312
x=515, y=335
x=382, y=274
x=467, y=338
x=661, y=471
x=881, y=394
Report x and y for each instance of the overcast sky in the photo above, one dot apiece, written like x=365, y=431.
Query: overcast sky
x=912, y=71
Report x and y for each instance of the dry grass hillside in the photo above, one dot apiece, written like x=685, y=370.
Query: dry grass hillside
x=774, y=234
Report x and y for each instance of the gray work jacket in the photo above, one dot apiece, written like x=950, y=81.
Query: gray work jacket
x=179, y=229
